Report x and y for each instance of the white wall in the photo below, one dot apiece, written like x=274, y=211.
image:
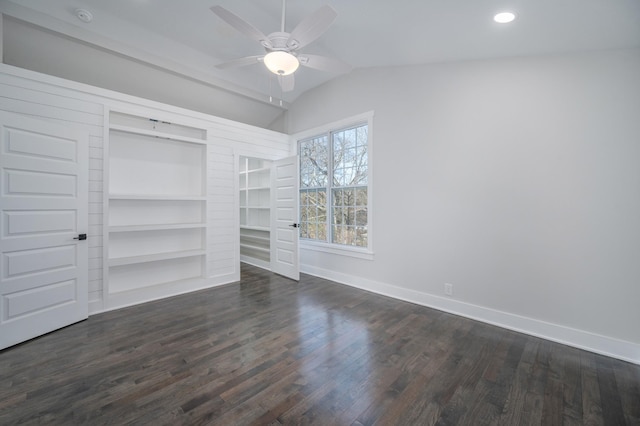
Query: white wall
x=31, y=47
x=516, y=180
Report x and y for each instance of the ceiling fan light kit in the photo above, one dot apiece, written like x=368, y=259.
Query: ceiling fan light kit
x=281, y=47
x=281, y=63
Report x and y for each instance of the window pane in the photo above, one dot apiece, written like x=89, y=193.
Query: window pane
x=350, y=158
x=360, y=178
x=337, y=197
x=313, y=163
x=350, y=216
x=349, y=235
x=321, y=197
x=322, y=231
x=348, y=196
x=338, y=218
x=349, y=174
x=361, y=216
x=362, y=156
x=311, y=198
x=361, y=197
x=362, y=135
x=338, y=177
x=348, y=138
x=361, y=237
x=337, y=235
x=313, y=214
x=322, y=214
x=338, y=150
x=313, y=230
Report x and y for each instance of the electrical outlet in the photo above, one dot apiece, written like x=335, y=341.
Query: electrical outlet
x=448, y=289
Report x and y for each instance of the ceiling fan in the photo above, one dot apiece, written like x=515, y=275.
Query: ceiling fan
x=282, y=57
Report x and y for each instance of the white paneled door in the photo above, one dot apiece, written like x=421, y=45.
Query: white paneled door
x=43, y=220
x=284, y=222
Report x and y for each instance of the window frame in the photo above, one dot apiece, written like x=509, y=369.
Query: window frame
x=329, y=130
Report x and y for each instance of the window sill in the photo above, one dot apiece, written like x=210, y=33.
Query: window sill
x=356, y=252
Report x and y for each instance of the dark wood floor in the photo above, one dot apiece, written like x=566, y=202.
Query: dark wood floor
x=272, y=351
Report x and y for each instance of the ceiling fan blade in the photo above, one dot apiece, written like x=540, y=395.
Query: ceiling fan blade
x=241, y=62
x=323, y=63
x=312, y=27
x=242, y=26
x=287, y=82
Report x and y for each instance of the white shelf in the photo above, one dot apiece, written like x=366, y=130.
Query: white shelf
x=256, y=228
x=262, y=170
x=158, y=197
x=156, y=209
x=121, y=261
x=136, y=228
x=257, y=238
x=155, y=134
x=255, y=211
x=119, y=297
x=256, y=248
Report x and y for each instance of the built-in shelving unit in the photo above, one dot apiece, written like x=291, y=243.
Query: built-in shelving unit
x=156, y=207
x=255, y=211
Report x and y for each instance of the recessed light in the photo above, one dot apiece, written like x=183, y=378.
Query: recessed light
x=504, y=17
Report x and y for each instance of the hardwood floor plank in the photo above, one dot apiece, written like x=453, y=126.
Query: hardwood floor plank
x=628, y=384
x=591, y=402
x=572, y=389
x=609, y=396
x=271, y=351
x=481, y=410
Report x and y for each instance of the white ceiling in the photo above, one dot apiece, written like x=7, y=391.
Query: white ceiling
x=187, y=37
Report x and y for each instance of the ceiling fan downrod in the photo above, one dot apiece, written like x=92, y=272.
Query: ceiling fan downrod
x=284, y=5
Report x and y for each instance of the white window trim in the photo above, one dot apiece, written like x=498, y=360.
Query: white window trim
x=359, y=252
x=338, y=249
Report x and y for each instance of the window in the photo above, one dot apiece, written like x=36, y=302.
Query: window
x=334, y=187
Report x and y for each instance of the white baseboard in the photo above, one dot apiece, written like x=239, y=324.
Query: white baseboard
x=620, y=349
x=95, y=307
x=255, y=262
x=151, y=293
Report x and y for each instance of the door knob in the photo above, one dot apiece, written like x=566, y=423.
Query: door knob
x=295, y=225
x=80, y=237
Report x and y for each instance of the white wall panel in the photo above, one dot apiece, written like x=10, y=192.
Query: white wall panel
x=222, y=212
x=58, y=100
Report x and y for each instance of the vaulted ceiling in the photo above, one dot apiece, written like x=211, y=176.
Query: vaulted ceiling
x=187, y=37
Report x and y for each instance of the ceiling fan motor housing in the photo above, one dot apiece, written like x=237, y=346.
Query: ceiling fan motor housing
x=279, y=42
